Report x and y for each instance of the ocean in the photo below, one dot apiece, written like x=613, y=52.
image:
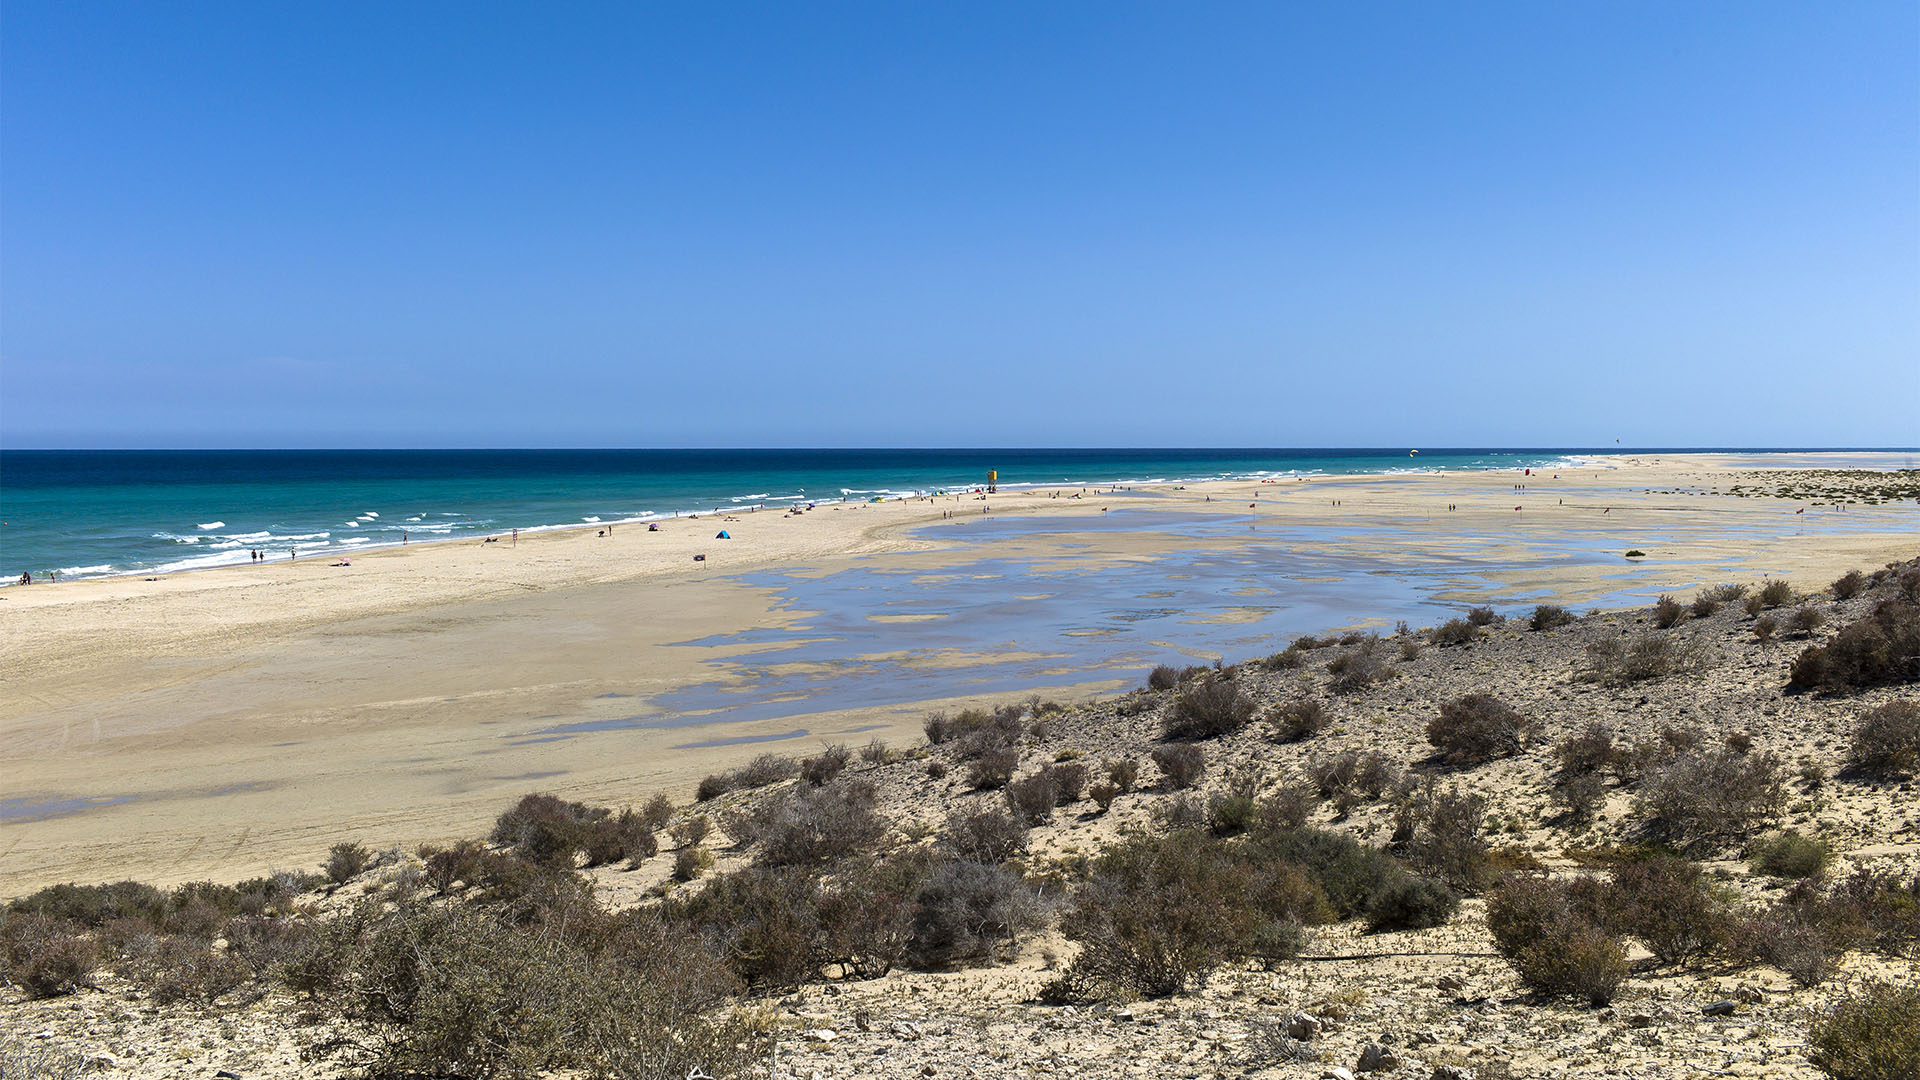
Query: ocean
x=95, y=513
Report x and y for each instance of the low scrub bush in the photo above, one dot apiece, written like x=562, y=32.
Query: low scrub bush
x=1549, y=617
x=1103, y=794
x=1763, y=628
x=1181, y=764
x=1207, y=708
x=1164, y=677
x=1724, y=594
x=1872, y=1035
x=1477, y=728
x=1589, y=751
x=1411, y=903
x=1455, y=632
x=1484, y=616
x=1703, y=606
x=1773, y=594
x=1297, y=720
x=1886, y=740
x=1880, y=649
x=1444, y=837
x=657, y=812
x=1700, y=800
x=1122, y=773
x=876, y=752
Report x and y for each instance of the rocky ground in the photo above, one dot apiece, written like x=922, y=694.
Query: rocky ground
x=1438, y=1002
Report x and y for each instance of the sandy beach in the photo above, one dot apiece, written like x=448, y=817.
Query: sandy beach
x=223, y=723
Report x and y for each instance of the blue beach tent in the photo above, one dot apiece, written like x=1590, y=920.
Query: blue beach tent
x=722, y=535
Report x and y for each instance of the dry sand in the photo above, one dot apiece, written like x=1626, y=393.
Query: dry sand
x=218, y=724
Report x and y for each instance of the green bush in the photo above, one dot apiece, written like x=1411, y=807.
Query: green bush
x=1411, y=903
x=345, y=861
x=1873, y=1035
x=1789, y=855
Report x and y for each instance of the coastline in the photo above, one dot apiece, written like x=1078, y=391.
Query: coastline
x=247, y=718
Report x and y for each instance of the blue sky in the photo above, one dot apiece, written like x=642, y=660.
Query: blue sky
x=841, y=224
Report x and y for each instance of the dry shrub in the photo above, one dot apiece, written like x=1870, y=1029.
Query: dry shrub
x=1666, y=903
x=1033, y=798
x=691, y=862
x=1351, y=778
x=1703, y=606
x=1207, y=708
x=657, y=812
x=1645, y=656
x=1700, y=800
x=1555, y=948
x=1484, y=616
x=46, y=957
x=811, y=826
x=1590, y=751
x=1122, y=773
x=345, y=861
x=1103, y=794
x=1871, y=1035
x=1164, y=677
x=1477, y=728
x=1806, y=619
x=826, y=766
x=1444, y=837
x=992, y=769
x=1160, y=913
x=1886, y=741
x=448, y=990
x=1299, y=719
x=1666, y=612
x=1773, y=594
x=1181, y=764
x=970, y=911
x=1352, y=672
x=1849, y=585
x=1549, y=617
x=1763, y=628
x=989, y=835
x=1880, y=649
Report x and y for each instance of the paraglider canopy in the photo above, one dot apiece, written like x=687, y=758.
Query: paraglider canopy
x=722, y=535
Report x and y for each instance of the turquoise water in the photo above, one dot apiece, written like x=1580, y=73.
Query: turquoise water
x=93, y=513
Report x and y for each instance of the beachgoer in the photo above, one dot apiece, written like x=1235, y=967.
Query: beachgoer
x=26, y=579
x=403, y=538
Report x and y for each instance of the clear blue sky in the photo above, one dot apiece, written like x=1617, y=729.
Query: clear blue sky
x=699, y=224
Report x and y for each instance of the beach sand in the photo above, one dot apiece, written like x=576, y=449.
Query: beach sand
x=224, y=723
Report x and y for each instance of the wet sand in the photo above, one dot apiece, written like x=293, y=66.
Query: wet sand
x=224, y=723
